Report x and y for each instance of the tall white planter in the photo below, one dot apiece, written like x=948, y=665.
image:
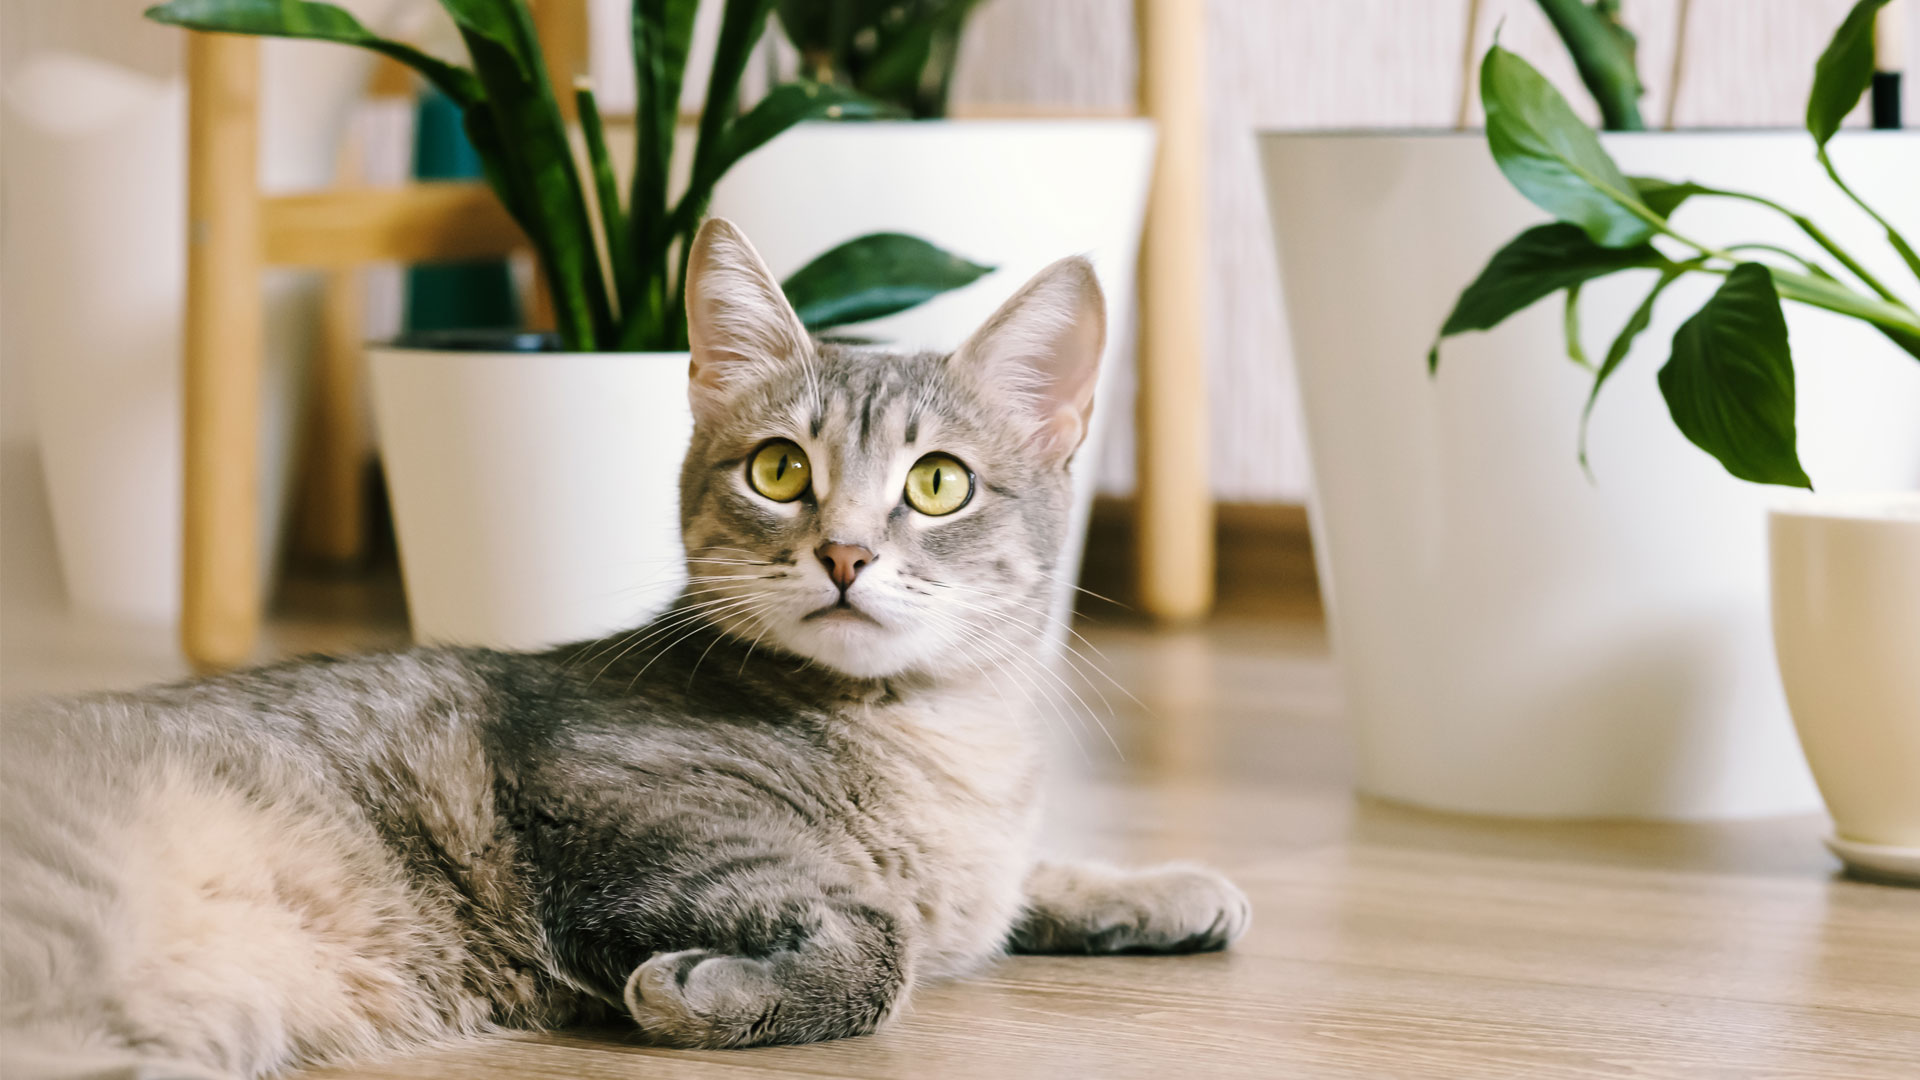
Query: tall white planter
x=96, y=246
x=1013, y=194
x=1513, y=638
x=536, y=496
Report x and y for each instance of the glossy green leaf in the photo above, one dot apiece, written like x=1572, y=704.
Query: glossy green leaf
x=1537, y=263
x=1843, y=72
x=873, y=276
x=1603, y=53
x=1636, y=323
x=1729, y=383
x=1553, y=158
x=316, y=22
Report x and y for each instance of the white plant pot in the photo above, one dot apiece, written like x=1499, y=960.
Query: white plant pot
x=1015, y=195
x=1513, y=638
x=1846, y=626
x=96, y=273
x=536, y=496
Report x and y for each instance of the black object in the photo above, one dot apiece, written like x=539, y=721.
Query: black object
x=1885, y=98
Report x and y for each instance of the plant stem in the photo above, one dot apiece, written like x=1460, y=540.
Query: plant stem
x=1816, y=234
x=1811, y=266
x=1899, y=242
x=1817, y=292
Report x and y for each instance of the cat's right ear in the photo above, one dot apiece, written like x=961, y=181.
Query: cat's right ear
x=1042, y=349
x=739, y=324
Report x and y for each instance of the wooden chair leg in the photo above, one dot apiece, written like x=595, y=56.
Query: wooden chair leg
x=220, y=612
x=331, y=525
x=1175, y=502
x=333, y=490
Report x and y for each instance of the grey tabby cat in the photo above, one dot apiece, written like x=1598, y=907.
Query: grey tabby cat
x=764, y=818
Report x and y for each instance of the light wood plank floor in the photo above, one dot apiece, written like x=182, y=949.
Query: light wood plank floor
x=1387, y=942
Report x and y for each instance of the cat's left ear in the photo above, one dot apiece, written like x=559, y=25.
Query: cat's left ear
x=1044, y=346
x=739, y=324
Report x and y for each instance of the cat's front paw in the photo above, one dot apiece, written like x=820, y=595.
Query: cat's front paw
x=1098, y=909
x=697, y=998
x=1182, y=909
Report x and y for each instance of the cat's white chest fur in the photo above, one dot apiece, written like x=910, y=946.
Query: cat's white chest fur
x=961, y=773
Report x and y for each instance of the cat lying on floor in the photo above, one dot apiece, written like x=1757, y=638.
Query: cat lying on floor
x=763, y=818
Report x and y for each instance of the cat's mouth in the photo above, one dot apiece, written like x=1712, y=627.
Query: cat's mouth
x=840, y=610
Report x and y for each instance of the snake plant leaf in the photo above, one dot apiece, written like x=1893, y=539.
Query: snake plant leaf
x=1553, y=158
x=506, y=23
x=873, y=276
x=1843, y=72
x=530, y=161
x=1729, y=382
x=662, y=37
x=317, y=22
x=741, y=24
x=1602, y=51
x=1537, y=263
x=785, y=106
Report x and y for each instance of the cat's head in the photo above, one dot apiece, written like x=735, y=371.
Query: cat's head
x=881, y=512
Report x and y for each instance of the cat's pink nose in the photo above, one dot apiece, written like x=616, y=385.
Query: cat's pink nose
x=844, y=562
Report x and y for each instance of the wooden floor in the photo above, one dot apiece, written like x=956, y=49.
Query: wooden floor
x=1386, y=942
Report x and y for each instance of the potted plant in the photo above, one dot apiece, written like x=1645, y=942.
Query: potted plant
x=1518, y=636
x=535, y=477
x=1017, y=193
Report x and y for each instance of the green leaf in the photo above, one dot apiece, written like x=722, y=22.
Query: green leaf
x=1534, y=265
x=1570, y=326
x=1843, y=72
x=523, y=142
x=316, y=22
x=613, y=223
x=505, y=23
x=1623, y=344
x=1602, y=51
x=662, y=32
x=872, y=276
x=1729, y=383
x=1824, y=292
x=1664, y=197
x=1553, y=158
x=912, y=66
x=787, y=105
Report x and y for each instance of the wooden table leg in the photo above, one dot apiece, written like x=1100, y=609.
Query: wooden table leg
x=220, y=612
x=1175, y=501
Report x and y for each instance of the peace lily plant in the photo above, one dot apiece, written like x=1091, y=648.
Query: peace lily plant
x=617, y=268
x=1729, y=382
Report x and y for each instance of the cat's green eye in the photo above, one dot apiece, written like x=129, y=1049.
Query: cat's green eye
x=779, y=471
x=938, y=484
